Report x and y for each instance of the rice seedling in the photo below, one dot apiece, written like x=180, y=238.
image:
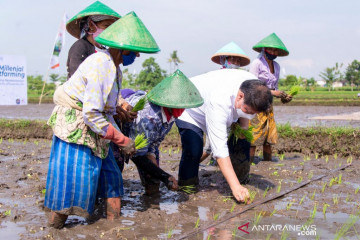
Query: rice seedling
x=273, y=212
x=7, y=213
x=1, y=140
x=43, y=191
x=189, y=189
x=301, y=163
x=357, y=190
x=240, y=133
x=311, y=174
x=140, y=141
x=252, y=197
x=336, y=199
x=313, y=213
x=281, y=157
x=266, y=191
x=36, y=142
x=170, y=233
x=299, y=180
x=284, y=235
x=323, y=187
x=258, y=217
x=197, y=223
x=288, y=206
x=268, y=236
x=313, y=195
x=279, y=187
x=332, y=181
x=335, y=156
x=348, y=198
x=216, y=216
x=226, y=198
x=140, y=104
x=339, y=179
x=325, y=206
x=316, y=156
x=177, y=150
x=253, y=164
x=294, y=90
x=350, y=222
x=233, y=207
x=275, y=173
x=326, y=158
x=340, y=163
x=349, y=160
x=10, y=140
x=208, y=237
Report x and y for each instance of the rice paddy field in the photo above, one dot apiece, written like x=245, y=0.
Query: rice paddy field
x=311, y=189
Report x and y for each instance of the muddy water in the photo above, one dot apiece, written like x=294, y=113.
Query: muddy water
x=295, y=115
x=170, y=215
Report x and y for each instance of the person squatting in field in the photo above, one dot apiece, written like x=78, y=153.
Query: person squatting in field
x=230, y=95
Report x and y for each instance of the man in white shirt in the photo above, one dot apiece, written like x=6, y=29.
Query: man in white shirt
x=230, y=95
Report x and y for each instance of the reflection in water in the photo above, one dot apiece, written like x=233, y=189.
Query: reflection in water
x=10, y=230
x=203, y=211
x=169, y=207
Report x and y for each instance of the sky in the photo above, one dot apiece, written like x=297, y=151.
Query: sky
x=317, y=33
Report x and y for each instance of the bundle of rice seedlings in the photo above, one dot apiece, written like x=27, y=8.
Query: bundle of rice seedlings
x=189, y=189
x=240, y=133
x=140, y=141
x=294, y=90
x=140, y=104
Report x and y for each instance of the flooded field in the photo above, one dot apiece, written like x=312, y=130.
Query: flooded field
x=323, y=209
x=295, y=115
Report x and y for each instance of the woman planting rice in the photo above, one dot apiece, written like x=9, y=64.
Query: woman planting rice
x=81, y=163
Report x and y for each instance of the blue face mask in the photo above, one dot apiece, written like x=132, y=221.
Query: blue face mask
x=270, y=56
x=128, y=59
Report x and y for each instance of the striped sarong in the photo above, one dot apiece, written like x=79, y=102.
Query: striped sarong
x=76, y=178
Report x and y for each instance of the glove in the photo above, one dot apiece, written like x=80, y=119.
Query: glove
x=126, y=145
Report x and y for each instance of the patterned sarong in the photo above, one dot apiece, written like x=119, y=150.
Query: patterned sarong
x=264, y=130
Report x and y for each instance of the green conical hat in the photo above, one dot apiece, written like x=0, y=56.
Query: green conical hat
x=176, y=91
x=231, y=49
x=129, y=33
x=272, y=41
x=97, y=8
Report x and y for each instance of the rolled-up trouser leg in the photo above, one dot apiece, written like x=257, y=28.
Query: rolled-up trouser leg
x=192, y=149
x=240, y=158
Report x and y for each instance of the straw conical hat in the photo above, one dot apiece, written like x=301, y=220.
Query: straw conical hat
x=176, y=91
x=272, y=41
x=97, y=8
x=231, y=49
x=129, y=33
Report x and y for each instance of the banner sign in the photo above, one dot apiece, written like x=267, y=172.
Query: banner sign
x=59, y=43
x=13, y=80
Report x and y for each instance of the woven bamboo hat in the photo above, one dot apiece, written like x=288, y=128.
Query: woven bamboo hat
x=176, y=91
x=97, y=8
x=272, y=41
x=129, y=33
x=231, y=49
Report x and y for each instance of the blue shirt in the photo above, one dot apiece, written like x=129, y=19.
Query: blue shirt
x=151, y=121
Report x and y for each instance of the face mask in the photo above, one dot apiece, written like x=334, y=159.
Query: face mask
x=230, y=65
x=270, y=56
x=128, y=59
x=97, y=32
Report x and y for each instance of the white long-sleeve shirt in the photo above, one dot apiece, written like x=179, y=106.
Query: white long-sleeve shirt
x=219, y=89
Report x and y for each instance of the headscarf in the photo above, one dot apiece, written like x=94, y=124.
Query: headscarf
x=85, y=22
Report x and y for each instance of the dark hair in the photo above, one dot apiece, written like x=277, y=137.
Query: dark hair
x=257, y=95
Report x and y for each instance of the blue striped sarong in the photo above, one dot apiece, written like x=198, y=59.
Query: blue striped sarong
x=76, y=178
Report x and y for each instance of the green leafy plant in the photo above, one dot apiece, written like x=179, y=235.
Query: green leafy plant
x=189, y=189
x=339, y=179
x=326, y=158
x=357, y=190
x=7, y=213
x=288, y=205
x=316, y=156
x=140, y=104
x=266, y=191
x=216, y=216
x=323, y=187
x=349, y=160
x=258, y=217
x=197, y=223
x=279, y=187
x=273, y=212
x=240, y=133
x=282, y=156
x=299, y=180
x=350, y=222
x=335, y=156
x=232, y=207
x=336, y=199
x=325, y=205
x=140, y=141
x=313, y=195
x=311, y=174
x=302, y=199
x=294, y=90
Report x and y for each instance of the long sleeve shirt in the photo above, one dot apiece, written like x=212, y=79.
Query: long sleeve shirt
x=261, y=70
x=218, y=89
